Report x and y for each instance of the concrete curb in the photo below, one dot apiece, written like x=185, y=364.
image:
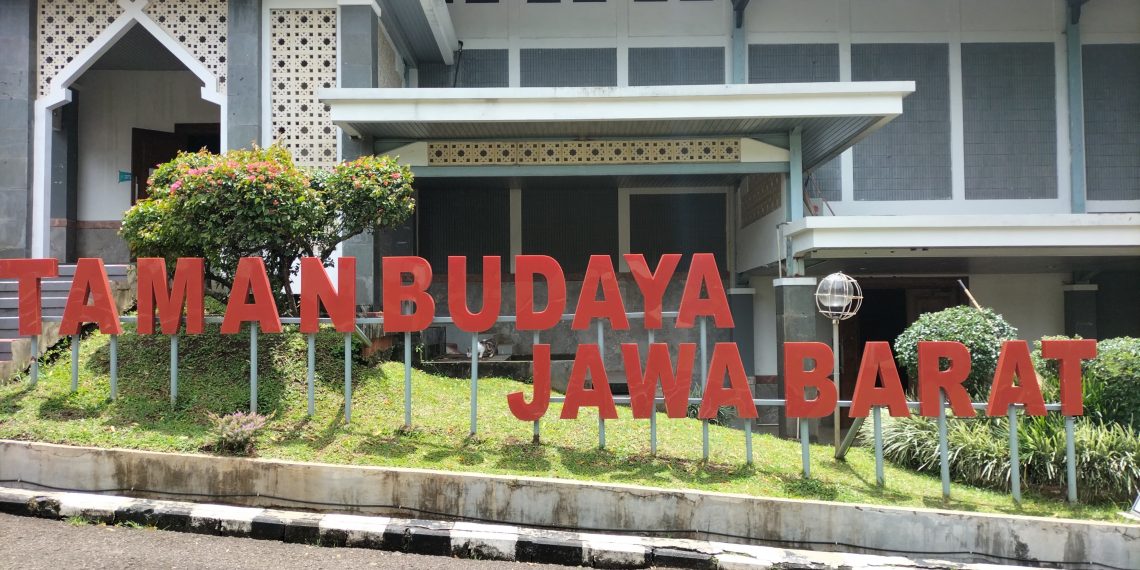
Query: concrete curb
x=441, y=538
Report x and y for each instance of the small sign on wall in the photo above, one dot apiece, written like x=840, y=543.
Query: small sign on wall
x=124, y=176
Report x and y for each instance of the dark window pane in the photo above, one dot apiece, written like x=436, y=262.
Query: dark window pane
x=677, y=223
x=570, y=221
x=576, y=67
x=463, y=217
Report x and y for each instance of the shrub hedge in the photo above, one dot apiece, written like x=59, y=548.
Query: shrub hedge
x=982, y=331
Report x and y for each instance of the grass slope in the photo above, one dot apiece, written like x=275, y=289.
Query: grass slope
x=214, y=377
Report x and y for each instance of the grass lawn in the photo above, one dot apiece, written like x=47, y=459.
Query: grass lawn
x=214, y=377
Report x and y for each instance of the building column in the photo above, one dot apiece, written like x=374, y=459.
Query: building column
x=243, y=74
x=797, y=320
x=1076, y=104
x=17, y=103
x=64, y=181
x=1080, y=310
x=357, y=57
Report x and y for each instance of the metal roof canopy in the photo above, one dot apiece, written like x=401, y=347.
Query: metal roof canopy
x=832, y=116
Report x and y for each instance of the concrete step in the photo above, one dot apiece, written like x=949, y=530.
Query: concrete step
x=113, y=270
x=45, y=302
x=9, y=287
x=5, y=349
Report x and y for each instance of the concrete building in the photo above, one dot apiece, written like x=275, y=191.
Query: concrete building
x=910, y=144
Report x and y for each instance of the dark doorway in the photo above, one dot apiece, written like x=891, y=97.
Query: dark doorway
x=150, y=148
x=890, y=305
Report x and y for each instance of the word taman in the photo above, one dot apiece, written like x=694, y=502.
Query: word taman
x=942, y=365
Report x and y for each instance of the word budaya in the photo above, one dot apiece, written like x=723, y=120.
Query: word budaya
x=943, y=366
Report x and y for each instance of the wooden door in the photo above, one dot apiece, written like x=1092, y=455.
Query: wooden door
x=149, y=148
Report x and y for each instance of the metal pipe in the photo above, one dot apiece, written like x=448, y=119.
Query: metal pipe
x=114, y=349
x=1014, y=461
x=173, y=369
x=253, y=367
x=536, y=439
x=474, y=381
x=835, y=378
x=943, y=445
x=75, y=362
x=310, y=372
x=805, y=455
x=878, y=419
x=36, y=360
x=705, y=440
x=1071, y=458
x=347, y=377
x=407, y=380
x=653, y=432
x=849, y=439
x=704, y=357
x=748, y=441
x=602, y=352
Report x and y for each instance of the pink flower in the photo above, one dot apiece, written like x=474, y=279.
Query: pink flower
x=177, y=184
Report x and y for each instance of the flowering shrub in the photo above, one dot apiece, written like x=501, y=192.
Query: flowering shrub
x=257, y=203
x=236, y=432
x=982, y=331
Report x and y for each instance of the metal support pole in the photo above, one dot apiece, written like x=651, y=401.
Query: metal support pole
x=748, y=442
x=652, y=416
x=407, y=380
x=878, y=418
x=1071, y=457
x=474, y=381
x=705, y=440
x=173, y=369
x=602, y=352
x=310, y=372
x=536, y=438
x=114, y=349
x=704, y=382
x=804, y=451
x=943, y=445
x=36, y=360
x=1014, y=460
x=347, y=377
x=836, y=423
x=253, y=367
x=75, y=362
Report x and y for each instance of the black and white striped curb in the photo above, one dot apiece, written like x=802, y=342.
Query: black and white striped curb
x=443, y=538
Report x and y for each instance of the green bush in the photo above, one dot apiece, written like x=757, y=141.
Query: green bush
x=1108, y=455
x=982, y=331
x=1112, y=382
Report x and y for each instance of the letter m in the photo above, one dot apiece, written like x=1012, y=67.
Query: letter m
x=187, y=290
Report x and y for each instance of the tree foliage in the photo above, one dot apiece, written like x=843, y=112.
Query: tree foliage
x=257, y=203
x=982, y=331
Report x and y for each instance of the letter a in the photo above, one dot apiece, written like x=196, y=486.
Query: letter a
x=589, y=361
x=90, y=282
x=878, y=362
x=251, y=277
x=726, y=360
x=1014, y=362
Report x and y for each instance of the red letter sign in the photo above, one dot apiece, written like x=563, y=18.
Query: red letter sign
x=600, y=272
x=187, y=291
x=589, y=361
x=652, y=285
x=541, y=401
x=317, y=290
x=395, y=292
x=658, y=368
x=526, y=267
x=251, y=278
x=797, y=378
x=878, y=362
x=29, y=272
x=90, y=282
x=703, y=270
x=1070, y=353
x=932, y=378
x=457, y=293
x=1014, y=362
x=726, y=360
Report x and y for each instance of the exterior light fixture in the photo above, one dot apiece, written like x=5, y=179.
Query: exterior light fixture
x=838, y=297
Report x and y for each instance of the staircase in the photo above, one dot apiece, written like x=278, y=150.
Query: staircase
x=15, y=352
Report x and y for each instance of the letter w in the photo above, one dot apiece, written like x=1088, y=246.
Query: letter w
x=658, y=368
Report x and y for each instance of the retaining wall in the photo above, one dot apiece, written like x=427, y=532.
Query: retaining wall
x=540, y=502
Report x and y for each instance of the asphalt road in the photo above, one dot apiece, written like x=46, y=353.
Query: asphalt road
x=31, y=543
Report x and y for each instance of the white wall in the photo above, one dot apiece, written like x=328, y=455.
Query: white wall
x=764, y=323
x=111, y=103
x=1034, y=303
